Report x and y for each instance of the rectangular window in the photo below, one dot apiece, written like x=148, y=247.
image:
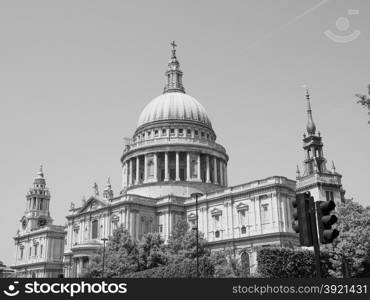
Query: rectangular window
x=242, y=217
x=329, y=195
x=75, y=236
x=265, y=213
x=196, y=132
x=180, y=131
x=172, y=131
x=22, y=253
x=188, y=132
x=94, y=232
x=217, y=221
x=163, y=131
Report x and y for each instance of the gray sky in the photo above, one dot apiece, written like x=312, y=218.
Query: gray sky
x=75, y=75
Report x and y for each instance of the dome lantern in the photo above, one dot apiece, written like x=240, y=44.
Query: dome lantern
x=174, y=74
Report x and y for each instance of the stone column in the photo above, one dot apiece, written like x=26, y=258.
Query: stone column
x=188, y=166
x=177, y=166
x=255, y=209
x=215, y=170
x=221, y=172
x=137, y=227
x=130, y=175
x=206, y=222
x=207, y=170
x=127, y=219
x=137, y=169
x=199, y=178
x=132, y=224
x=166, y=166
x=258, y=214
x=225, y=174
x=145, y=168
x=155, y=167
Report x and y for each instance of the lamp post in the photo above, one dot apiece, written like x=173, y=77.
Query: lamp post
x=196, y=195
x=104, y=240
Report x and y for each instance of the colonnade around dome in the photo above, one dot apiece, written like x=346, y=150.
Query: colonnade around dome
x=169, y=166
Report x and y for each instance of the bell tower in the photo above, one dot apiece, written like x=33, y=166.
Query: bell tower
x=37, y=212
x=316, y=178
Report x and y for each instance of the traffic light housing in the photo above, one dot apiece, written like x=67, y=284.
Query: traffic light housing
x=302, y=223
x=325, y=220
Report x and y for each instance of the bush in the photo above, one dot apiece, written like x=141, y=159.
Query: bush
x=286, y=262
x=185, y=269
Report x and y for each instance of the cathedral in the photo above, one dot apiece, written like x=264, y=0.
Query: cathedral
x=173, y=169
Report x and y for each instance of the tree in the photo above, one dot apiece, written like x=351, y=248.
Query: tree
x=152, y=252
x=182, y=243
x=350, y=252
x=121, y=256
x=225, y=265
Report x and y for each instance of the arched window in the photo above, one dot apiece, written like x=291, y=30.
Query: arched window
x=217, y=234
x=94, y=232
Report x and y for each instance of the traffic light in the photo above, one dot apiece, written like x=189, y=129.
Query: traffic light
x=302, y=223
x=325, y=220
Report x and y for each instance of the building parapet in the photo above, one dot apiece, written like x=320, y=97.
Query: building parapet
x=319, y=178
x=250, y=186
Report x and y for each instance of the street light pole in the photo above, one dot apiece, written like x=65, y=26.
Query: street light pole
x=104, y=240
x=196, y=195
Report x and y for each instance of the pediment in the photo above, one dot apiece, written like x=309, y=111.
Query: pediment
x=191, y=216
x=92, y=204
x=242, y=206
x=216, y=211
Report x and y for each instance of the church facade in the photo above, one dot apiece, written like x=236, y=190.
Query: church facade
x=172, y=156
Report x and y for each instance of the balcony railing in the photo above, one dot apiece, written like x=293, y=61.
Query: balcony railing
x=130, y=145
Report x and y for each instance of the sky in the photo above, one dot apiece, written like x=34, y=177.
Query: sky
x=75, y=75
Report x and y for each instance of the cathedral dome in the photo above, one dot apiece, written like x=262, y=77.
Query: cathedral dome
x=174, y=106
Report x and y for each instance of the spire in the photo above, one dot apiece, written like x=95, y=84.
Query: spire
x=311, y=127
x=40, y=173
x=333, y=167
x=108, y=186
x=174, y=74
x=298, y=172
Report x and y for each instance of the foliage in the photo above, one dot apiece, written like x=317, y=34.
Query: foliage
x=353, y=243
x=226, y=265
x=185, y=269
x=182, y=243
x=121, y=256
x=152, y=252
x=286, y=262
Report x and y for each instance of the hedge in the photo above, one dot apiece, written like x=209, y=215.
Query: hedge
x=287, y=262
x=185, y=269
